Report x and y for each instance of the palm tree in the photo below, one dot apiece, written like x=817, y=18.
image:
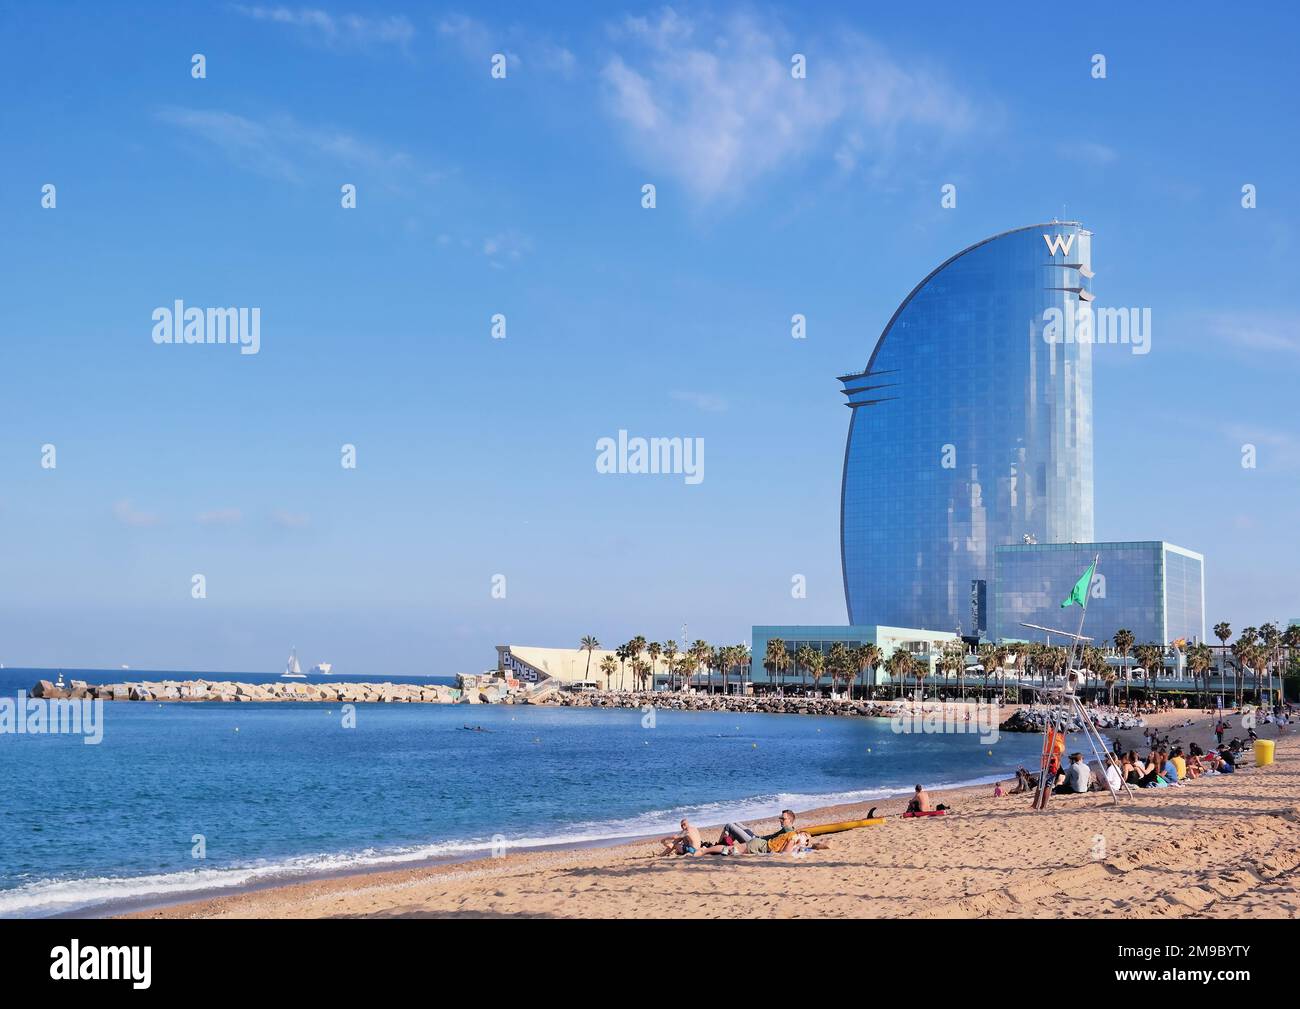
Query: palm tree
x=589, y=645
x=952, y=660
x=741, y=654
x=992, y=657
x=1244, y=651
x=838, y=662
x=1199, y=661
x=1152, y=657
x=1291, y=639
x=867, y=656
x=670, y=654
x=803, y=658
x=817, y=667
x=623, y=655
x=641, y=671
x=1223, y=631
x=700, y=652
x=1271, y=640
x=1124, y=645
x=775, y=659
x=654, y=650
x=900, y=665
x=607, y=666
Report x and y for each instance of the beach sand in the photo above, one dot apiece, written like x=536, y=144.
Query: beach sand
x=1221, y=847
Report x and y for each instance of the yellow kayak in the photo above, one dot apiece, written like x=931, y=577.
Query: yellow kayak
x=835, y=828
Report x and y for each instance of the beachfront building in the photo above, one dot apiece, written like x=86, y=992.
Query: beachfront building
x=924, y=646
x=971, y=427
x=1152, y=588
x=564, y=665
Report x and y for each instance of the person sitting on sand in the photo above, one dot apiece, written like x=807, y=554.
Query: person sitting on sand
x=1179, y=762
x=1151, y=773
x=1133, y=768
x=1077, y=778
x=685, y=842
x=920, y=802
x=997, y=790
x=744, y=838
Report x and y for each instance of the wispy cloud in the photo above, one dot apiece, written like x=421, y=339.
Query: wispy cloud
x=290, y=520
x=701, y=401
x=1271, y=332
x=128, y=515
x=712, y=103
x=523, y=48
x=335, y=30
x=281, y=147
x=1087, y=152
x=508, y=246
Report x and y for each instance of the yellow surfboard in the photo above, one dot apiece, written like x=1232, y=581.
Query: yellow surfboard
x=835, y=828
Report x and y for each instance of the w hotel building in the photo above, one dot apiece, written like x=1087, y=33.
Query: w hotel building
x=971, y=429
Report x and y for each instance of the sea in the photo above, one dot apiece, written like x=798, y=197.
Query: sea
x=182, y=800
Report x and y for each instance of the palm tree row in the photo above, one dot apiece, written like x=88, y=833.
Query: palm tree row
x=642, y=659
x=1264, y=652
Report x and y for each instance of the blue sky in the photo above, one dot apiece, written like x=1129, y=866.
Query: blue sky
x=522, y=196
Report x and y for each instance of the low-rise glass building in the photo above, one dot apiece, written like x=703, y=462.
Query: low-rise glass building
x=1154, y=589
x=925, y=646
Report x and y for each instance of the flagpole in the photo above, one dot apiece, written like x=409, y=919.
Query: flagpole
x=1045, y=787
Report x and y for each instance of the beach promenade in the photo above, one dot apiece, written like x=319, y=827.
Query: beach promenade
x=1221, y=847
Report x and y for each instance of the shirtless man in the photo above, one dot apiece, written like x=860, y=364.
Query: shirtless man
x=685, y=842
x=920, y=802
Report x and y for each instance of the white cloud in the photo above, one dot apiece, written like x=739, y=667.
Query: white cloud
x=126, y=513
x=281, y=147
x=336, y=29
x=713, y=105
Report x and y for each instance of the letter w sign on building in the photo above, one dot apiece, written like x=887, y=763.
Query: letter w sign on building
x=1058, y=243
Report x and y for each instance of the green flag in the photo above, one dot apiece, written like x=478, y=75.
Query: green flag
x=1079, y=594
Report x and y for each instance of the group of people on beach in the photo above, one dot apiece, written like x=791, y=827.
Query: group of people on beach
x=738, y=839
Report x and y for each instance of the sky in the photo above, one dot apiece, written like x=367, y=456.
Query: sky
x=475, y=514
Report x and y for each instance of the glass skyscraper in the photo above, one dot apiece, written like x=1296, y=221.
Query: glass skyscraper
x=1154, y=589
x=971, y=428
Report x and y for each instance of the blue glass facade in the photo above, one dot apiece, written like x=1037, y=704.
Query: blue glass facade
x=1154, y=589
x=970, y=429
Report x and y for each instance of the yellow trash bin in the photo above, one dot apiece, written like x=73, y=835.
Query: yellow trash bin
x=1263, y=752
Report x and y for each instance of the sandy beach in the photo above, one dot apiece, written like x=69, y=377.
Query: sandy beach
x=1219, y=847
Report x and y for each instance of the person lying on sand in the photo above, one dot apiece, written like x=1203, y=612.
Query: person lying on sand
x=789, y=842
x=685, y=842
x=740, y=836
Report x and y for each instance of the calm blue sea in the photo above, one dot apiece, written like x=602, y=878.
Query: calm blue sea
x=280, y=790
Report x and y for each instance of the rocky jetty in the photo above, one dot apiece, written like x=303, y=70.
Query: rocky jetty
x=1025, y=720
x=674, y=701
x=230, y=690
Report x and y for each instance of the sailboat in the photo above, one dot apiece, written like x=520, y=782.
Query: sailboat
x=292, y=671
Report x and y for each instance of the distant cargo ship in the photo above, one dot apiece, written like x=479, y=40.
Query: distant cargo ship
x=322, y=669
